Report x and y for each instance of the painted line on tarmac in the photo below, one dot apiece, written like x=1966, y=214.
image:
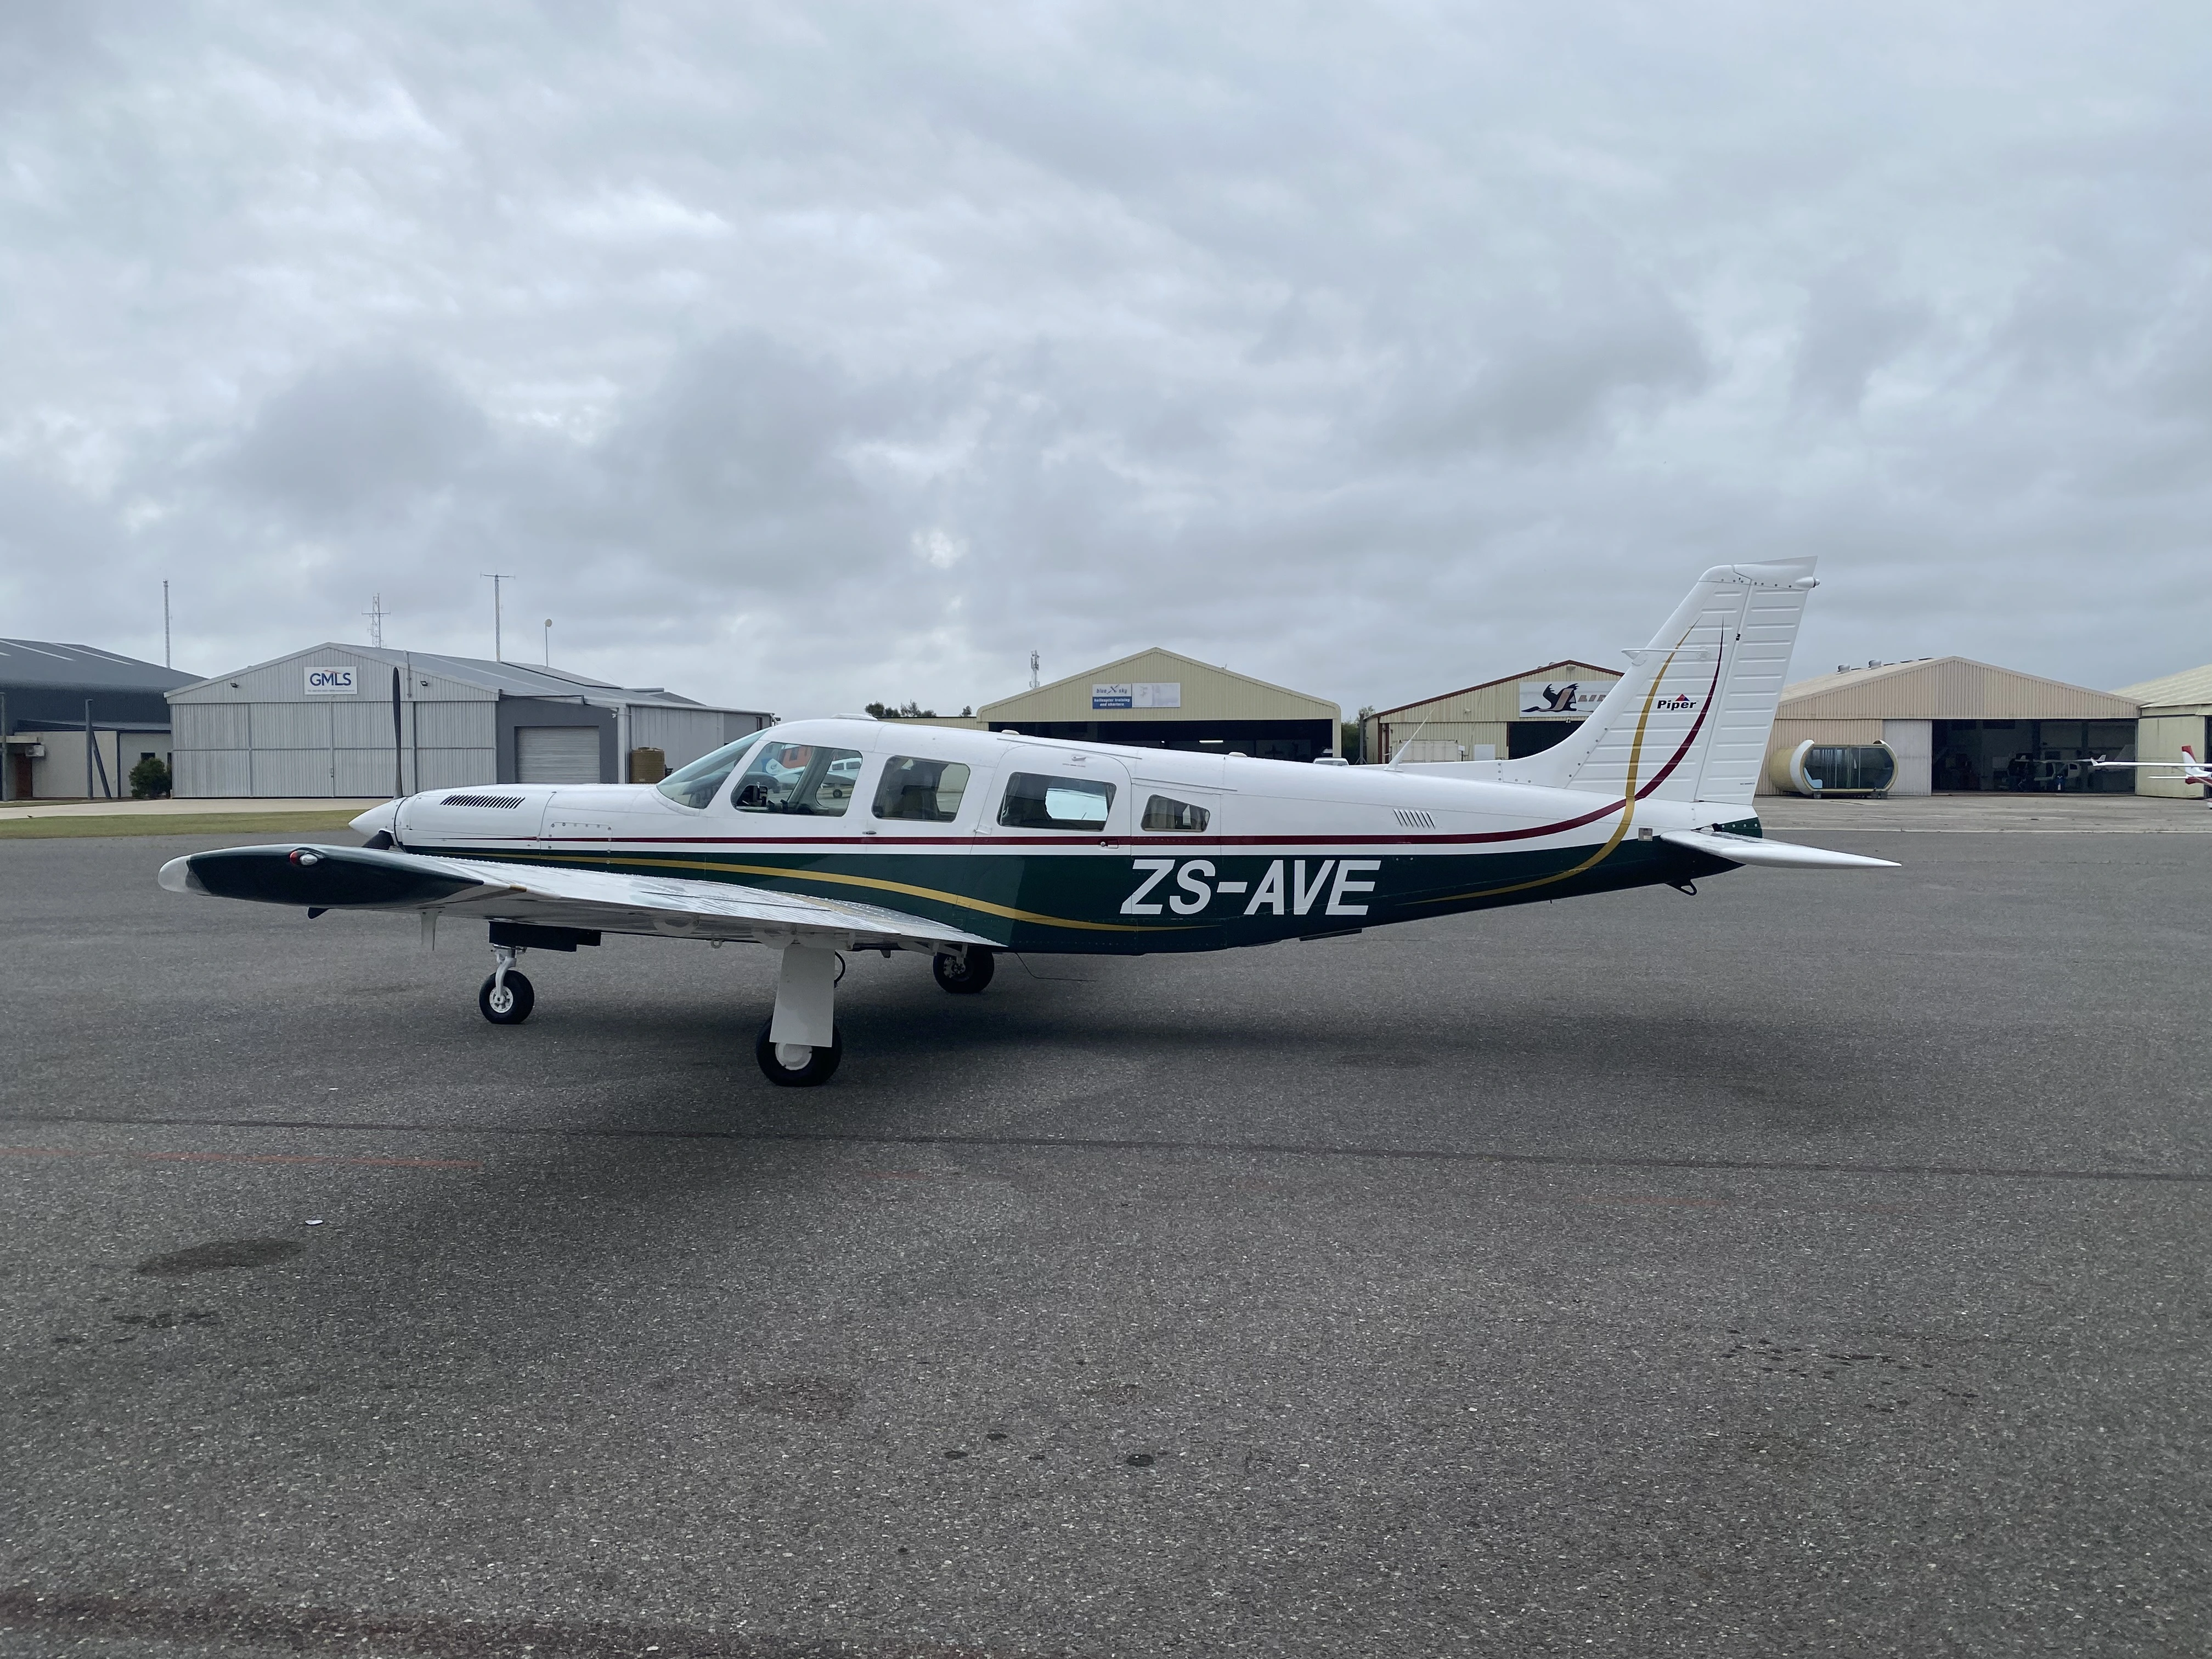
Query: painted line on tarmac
x=1235, y=1148
x=243, y=1158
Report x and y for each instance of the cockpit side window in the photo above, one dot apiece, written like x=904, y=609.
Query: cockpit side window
x=800, y=778
x=921, y=791
x=1036, y=802
x=1164, y=812
x=695, y=784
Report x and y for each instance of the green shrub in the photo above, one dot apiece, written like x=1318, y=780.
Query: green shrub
x=150, y=779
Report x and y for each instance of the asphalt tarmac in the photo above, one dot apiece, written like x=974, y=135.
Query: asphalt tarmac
x=1815, y=1265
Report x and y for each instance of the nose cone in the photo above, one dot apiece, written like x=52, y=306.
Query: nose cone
x=177, y=876
x=377, y=818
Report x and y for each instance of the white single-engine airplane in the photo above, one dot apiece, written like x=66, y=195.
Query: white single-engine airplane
x=2192, y=769
x=847, y=834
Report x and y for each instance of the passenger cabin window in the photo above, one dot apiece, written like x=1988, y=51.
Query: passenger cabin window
x=800, y=778
x=1036, y=802
x=1179, y=816
x=695, y=784
x=920, y=791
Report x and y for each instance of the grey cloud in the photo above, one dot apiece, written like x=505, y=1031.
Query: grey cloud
x=365, y=435
x=797, y=356
x=1851, y=329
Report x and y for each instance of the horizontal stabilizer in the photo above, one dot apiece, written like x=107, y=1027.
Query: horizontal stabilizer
x=1779, y=854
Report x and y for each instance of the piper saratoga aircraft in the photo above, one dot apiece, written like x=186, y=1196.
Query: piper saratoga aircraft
x=819, y=837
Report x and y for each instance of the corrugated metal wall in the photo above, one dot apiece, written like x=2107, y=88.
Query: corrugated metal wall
x=330, y=747
x=1948, y=689
x=2160, y=737
x=259, y=733
x=683, y=734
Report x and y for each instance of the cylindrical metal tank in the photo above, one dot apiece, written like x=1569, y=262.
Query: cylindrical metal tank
x=1834, y=769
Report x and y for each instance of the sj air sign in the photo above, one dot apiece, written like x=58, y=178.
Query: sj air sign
x=330, y=682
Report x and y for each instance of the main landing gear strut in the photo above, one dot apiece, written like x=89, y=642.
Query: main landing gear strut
x=801, y=1045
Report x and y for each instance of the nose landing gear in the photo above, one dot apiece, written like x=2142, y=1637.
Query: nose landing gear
x=507, y=998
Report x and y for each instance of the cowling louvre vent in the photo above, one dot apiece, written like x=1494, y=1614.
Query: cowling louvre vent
x=1409, y=819
x=482, y=800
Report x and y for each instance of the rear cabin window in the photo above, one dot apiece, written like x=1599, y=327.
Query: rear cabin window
x=803, y=779
x=920, y=791
x=1036, y=802
x=1164, y=812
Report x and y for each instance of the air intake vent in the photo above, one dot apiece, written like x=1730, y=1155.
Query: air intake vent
x=482, y=800
x=1412, y=820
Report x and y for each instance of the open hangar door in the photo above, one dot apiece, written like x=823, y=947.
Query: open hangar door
x=2025, y=757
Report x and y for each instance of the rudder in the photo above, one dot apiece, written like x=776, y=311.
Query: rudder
x=1690, y=718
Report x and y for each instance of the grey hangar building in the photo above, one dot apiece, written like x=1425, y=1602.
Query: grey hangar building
x=350, y=721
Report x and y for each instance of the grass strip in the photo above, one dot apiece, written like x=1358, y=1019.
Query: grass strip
x=171, y=823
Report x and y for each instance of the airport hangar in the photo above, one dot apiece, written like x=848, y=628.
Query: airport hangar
x=1160, y=699
x=321, y=722
x=1948, y=724
x=2174, y=711
x=1504, y=719
x=1905, y=728
x=74, y=721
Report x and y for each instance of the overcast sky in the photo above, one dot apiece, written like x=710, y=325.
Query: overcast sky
x=794, y=356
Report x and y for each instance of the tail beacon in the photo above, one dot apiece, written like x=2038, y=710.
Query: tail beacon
x=1690, y=718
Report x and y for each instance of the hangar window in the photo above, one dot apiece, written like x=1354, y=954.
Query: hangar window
x=923, y=791
x=695, y=784
x=803, y=779
x=1179, y=816
x=1036, y=802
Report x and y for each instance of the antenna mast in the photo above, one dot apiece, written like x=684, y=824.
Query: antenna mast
x=166, y=661
x=495, y=578
x=1033, y=671
x=376, y=614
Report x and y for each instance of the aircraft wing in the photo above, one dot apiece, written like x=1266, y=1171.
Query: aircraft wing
x=1776, y=854
x=363, y=879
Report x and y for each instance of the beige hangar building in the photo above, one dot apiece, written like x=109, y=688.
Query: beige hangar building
x=2174, y=711
x=1504, y=719
x=1162, y=699
x=1947, y=723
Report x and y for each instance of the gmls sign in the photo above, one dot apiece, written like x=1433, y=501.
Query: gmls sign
x=330, y=682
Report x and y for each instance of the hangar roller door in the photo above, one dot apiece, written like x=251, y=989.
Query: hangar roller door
x=556, y=754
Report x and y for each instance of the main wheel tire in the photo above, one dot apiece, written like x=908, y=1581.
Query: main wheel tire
x=965, y=978
x=819, y=1063
x=507, y=1006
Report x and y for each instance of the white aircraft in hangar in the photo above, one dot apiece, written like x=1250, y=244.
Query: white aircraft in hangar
x=825, y=835
x=2192, y=770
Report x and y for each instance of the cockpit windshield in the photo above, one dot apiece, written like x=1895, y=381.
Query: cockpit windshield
x=695, y=784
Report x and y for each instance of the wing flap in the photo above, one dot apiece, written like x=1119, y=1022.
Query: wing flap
x=1772, y=854
x=363, y=879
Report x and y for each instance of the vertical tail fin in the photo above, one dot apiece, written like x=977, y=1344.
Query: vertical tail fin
x=1690, y=718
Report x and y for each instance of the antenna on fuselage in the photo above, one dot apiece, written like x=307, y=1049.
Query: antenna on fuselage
x=1408, y=743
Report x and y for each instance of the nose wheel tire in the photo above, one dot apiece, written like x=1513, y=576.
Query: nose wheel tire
x=505, y=1004
x=964, y=978
x=794, y=1065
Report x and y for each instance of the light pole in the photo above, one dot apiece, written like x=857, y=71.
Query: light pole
x=549, y=641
